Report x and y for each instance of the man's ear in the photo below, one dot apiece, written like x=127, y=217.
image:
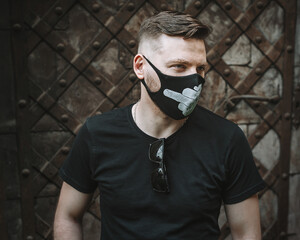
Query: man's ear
x=138, y=66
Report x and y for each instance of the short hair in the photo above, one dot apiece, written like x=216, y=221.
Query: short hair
x=173, y=23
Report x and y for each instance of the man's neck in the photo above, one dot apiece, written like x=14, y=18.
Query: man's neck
x=152, y=121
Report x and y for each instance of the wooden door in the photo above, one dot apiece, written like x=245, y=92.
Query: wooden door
x=77, y=62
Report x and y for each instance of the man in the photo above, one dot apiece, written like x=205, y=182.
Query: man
x=163, y=165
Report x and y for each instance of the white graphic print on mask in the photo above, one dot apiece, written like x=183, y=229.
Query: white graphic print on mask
x=187, y=99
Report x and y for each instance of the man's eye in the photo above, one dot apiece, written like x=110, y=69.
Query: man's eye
x=201, y=69
x=179, y=67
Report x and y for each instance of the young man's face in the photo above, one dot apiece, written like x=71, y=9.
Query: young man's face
x=173, y=56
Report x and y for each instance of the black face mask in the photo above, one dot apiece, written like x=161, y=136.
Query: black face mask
x=177, y=96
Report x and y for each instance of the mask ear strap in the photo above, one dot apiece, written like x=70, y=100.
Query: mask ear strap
x=145, y=85
x=155, y=68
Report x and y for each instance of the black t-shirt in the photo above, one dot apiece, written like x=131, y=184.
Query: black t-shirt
x=208, y=161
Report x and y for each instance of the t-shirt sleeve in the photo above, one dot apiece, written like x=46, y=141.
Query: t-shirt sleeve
x=76, y=169
x=242, y=177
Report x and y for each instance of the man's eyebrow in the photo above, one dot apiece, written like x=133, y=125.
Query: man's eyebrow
x=178, y=60
x=184, y=61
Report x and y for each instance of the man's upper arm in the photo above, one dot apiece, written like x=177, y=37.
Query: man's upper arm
x=72, y=203
x=244, y=219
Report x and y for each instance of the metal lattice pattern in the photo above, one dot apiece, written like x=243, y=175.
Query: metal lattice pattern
x=80, y=64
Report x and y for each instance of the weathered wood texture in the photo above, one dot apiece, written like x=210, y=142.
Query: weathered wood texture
x=72, y=59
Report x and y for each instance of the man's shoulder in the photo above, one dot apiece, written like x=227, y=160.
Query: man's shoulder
x=210, y=125
x=111, y=117
x=209, y=118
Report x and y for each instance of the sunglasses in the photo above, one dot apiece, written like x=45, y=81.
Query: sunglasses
x=159, y=177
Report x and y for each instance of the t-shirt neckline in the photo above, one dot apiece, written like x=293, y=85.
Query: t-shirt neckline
x=145, y=135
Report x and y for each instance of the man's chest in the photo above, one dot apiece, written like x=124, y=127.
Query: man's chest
x=124, y=180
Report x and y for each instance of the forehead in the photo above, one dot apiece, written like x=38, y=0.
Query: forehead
x=169, y=47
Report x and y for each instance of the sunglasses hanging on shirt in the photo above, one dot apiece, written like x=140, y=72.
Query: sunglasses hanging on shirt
x=159, y=177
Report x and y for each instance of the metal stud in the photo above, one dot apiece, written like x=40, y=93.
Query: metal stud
x=25, y=172
x=132, y=77
x=257, y=135
x=287, y=116
x=60, y=47
x=228, y=41
x=197, y=4
x=258, y=39
x=256, y=104
x=130, y=6
x=29, y=237
x=62, y=82
x=260, y=5
x=257, y=165
x=97, y=113
x=283, y=234
x=17, y=27
x=258, y=71
x=96, y=45
x=289, y=49
x=226, y=72
x=98, y=81
x=164, y=7
x=58, y=11
x=65, y=150
x=22, y=103
x=95, y=7
x=131, y=43
x=284, y=176
x=228, y=6
x=64, y=118
x=121, y=59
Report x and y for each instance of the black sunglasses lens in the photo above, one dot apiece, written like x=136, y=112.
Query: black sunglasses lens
x=159, y=175
x=156, y=151
x=159, y=180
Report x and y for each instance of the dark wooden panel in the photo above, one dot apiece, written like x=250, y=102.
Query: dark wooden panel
x=79, y=56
